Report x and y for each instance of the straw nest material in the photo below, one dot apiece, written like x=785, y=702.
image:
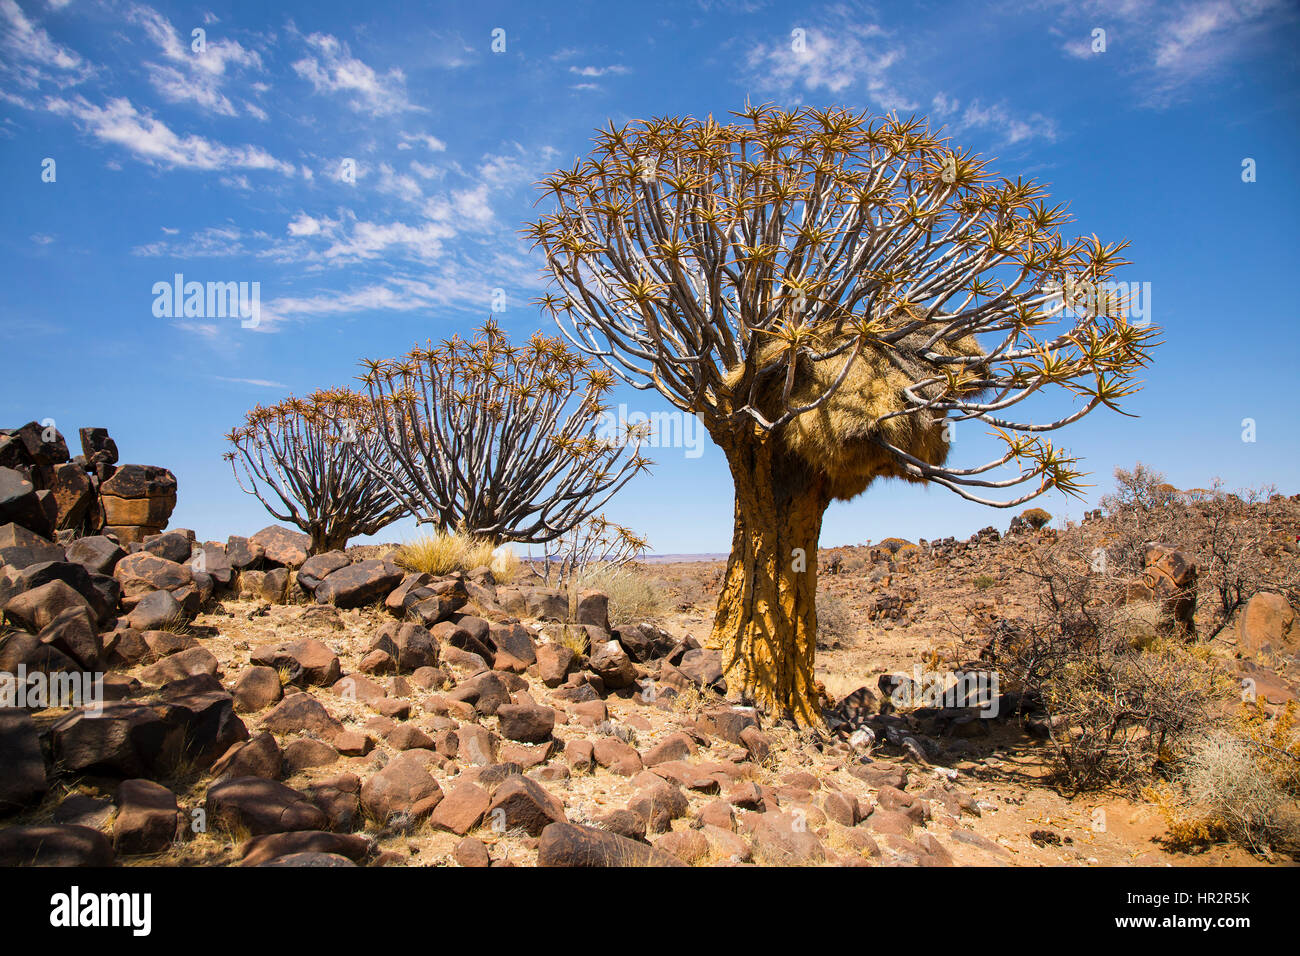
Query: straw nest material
x=839, y=438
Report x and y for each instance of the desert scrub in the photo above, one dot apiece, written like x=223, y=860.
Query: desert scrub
x=1240, y=782
x=1122, y=701
x=633, y=595
x=834, y=621
x=1037, y=518
x=983, y=582
x=894, y=545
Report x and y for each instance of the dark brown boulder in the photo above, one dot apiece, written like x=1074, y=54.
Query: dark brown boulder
x=316, y=568
x=307, y=661
x=359, y=584
x=98, y=553
x=21, y=547
x=34, y=610
x=567, y=844
x=261, y=806
x=54, y=846
x=74, y=633
x=20, y=505
x=23, y=781
x=148, y=819
x=523, y=803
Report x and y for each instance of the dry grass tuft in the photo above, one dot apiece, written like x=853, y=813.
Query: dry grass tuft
x=633, y=595
x=444, y=552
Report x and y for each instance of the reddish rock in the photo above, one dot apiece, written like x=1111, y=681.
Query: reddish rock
x=259, y=757
x=784, y=839
x=299, y=713
x=409, y=737
x=350, y=743
x=612, y=664
x=659, y=804
x=890, y=822
x=256, y=689
x=462, y=810
x=616, y=756
x=524, y=804
x=677, y=746
x=282, y=546
x=1268, y=622
x=718, y=813
x=471, y=852
x=554, y=662
x=527, y=724
x=403, y=786
x=580, y=755
x=689, y=846
x=842, y=808
x=143, y=572
x=305, y=753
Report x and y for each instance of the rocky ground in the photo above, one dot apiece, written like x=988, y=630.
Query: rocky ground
x=338, y=711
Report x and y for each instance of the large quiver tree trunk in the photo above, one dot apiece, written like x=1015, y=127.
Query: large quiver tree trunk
x=766, y=620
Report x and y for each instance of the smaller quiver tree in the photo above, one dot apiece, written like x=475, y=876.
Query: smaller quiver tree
x=302, y=458
x=498, y=441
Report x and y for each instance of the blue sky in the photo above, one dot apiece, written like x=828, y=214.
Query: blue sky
x=227, y=165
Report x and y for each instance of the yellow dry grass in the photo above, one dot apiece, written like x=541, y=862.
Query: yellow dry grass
x=443, y=552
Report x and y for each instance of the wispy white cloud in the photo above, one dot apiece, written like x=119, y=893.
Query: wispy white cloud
x=837, y=56
x=259, y=382
x=1171, y=48
x=456, y=287
x=431, y=143
x=29, y=57
x=331, y=68
x=997, y=119
x=615, y=70
x=211, y=243
x=189, y=75
x=151, y=140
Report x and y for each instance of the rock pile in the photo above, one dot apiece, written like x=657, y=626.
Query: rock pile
x=471, y=710
x=46, y=491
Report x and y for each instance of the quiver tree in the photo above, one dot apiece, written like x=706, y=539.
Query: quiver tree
x=832, y=295
x=495, y=440
x=302, y=458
